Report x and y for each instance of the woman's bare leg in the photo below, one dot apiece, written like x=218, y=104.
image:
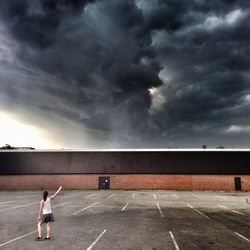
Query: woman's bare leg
x=39, y=229
x=48, y=230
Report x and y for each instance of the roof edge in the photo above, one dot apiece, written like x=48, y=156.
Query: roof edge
x=133, y=150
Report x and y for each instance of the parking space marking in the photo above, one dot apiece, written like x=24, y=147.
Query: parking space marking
x=196, y=196
x=174, y=241
x=18, y=238
x=125, y=206
x=91, y=195
x=198, y=211
x=111, y=195
x=6, y=205
x=231, y=210
x=60, y=205
x=27, y=205
x=176, y=196
x=71, y=195
x=26, y=196
x=221, y=198
x=162, y=215
x=5, y=202
x=199, y=205
x=241, y=236
x=97, y=239
x=86, y=208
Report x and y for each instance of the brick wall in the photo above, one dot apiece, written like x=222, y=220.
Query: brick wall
x=126, y=181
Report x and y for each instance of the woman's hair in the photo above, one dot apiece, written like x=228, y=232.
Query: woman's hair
x=45, y=194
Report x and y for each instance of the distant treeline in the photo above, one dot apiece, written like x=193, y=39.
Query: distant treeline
x=9, y=147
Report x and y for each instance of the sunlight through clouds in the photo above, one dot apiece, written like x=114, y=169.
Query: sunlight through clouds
x=158, y=100
x=104, y=74
x=19, y=134
x=231, y=18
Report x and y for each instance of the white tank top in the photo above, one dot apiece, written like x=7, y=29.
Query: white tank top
x=47, y=207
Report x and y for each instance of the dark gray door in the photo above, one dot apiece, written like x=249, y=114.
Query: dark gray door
x=104, y=182
x=237, y=183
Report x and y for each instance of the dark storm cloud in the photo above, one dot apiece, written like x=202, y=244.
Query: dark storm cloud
x=206, y=61
x=94, y=50
x=94, y=62
x=33, y=22
x=213, y=66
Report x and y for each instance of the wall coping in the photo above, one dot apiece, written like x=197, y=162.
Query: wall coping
x=133, y=150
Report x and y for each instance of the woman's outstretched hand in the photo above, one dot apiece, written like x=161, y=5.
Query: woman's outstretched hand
x=56, y=193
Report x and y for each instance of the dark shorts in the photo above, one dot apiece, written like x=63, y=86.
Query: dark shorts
x=47, y=218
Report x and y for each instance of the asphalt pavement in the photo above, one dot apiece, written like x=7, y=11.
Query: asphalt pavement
x=117, y=219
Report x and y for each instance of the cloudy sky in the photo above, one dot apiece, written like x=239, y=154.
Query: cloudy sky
x=125, y=74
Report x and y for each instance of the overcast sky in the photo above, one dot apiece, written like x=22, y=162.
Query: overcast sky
x=126, y=74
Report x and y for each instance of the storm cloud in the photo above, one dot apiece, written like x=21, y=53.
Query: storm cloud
x=145, y=73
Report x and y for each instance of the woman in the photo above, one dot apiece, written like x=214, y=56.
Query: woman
x=46, y=212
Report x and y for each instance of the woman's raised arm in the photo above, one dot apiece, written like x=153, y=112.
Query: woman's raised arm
x=56, y=193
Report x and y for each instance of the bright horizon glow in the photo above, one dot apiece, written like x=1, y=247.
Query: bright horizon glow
x=18, y=134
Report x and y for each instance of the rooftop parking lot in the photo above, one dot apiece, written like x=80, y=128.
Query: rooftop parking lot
x=118, y=219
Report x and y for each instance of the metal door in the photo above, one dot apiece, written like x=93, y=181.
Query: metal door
x=104, y=182
x=237, y=183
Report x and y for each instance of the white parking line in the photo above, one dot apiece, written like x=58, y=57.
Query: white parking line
x=197, y=196
x=26, y=196
x=111, y=195
x=86, y=208
x=5, y=202
x=174, y=241
x=97, y=239
x=91, y=195
x=162, y=215
x=243, y=237
x=125, y=206
x=197, y=211
x=176, y=196
x=154, y=196
x=26, y=205
x=231, y=210
x=221, y=198
x=18, y=238
x=60, y=205
x=133, y=195
x=6, y=205
x=70, y=195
